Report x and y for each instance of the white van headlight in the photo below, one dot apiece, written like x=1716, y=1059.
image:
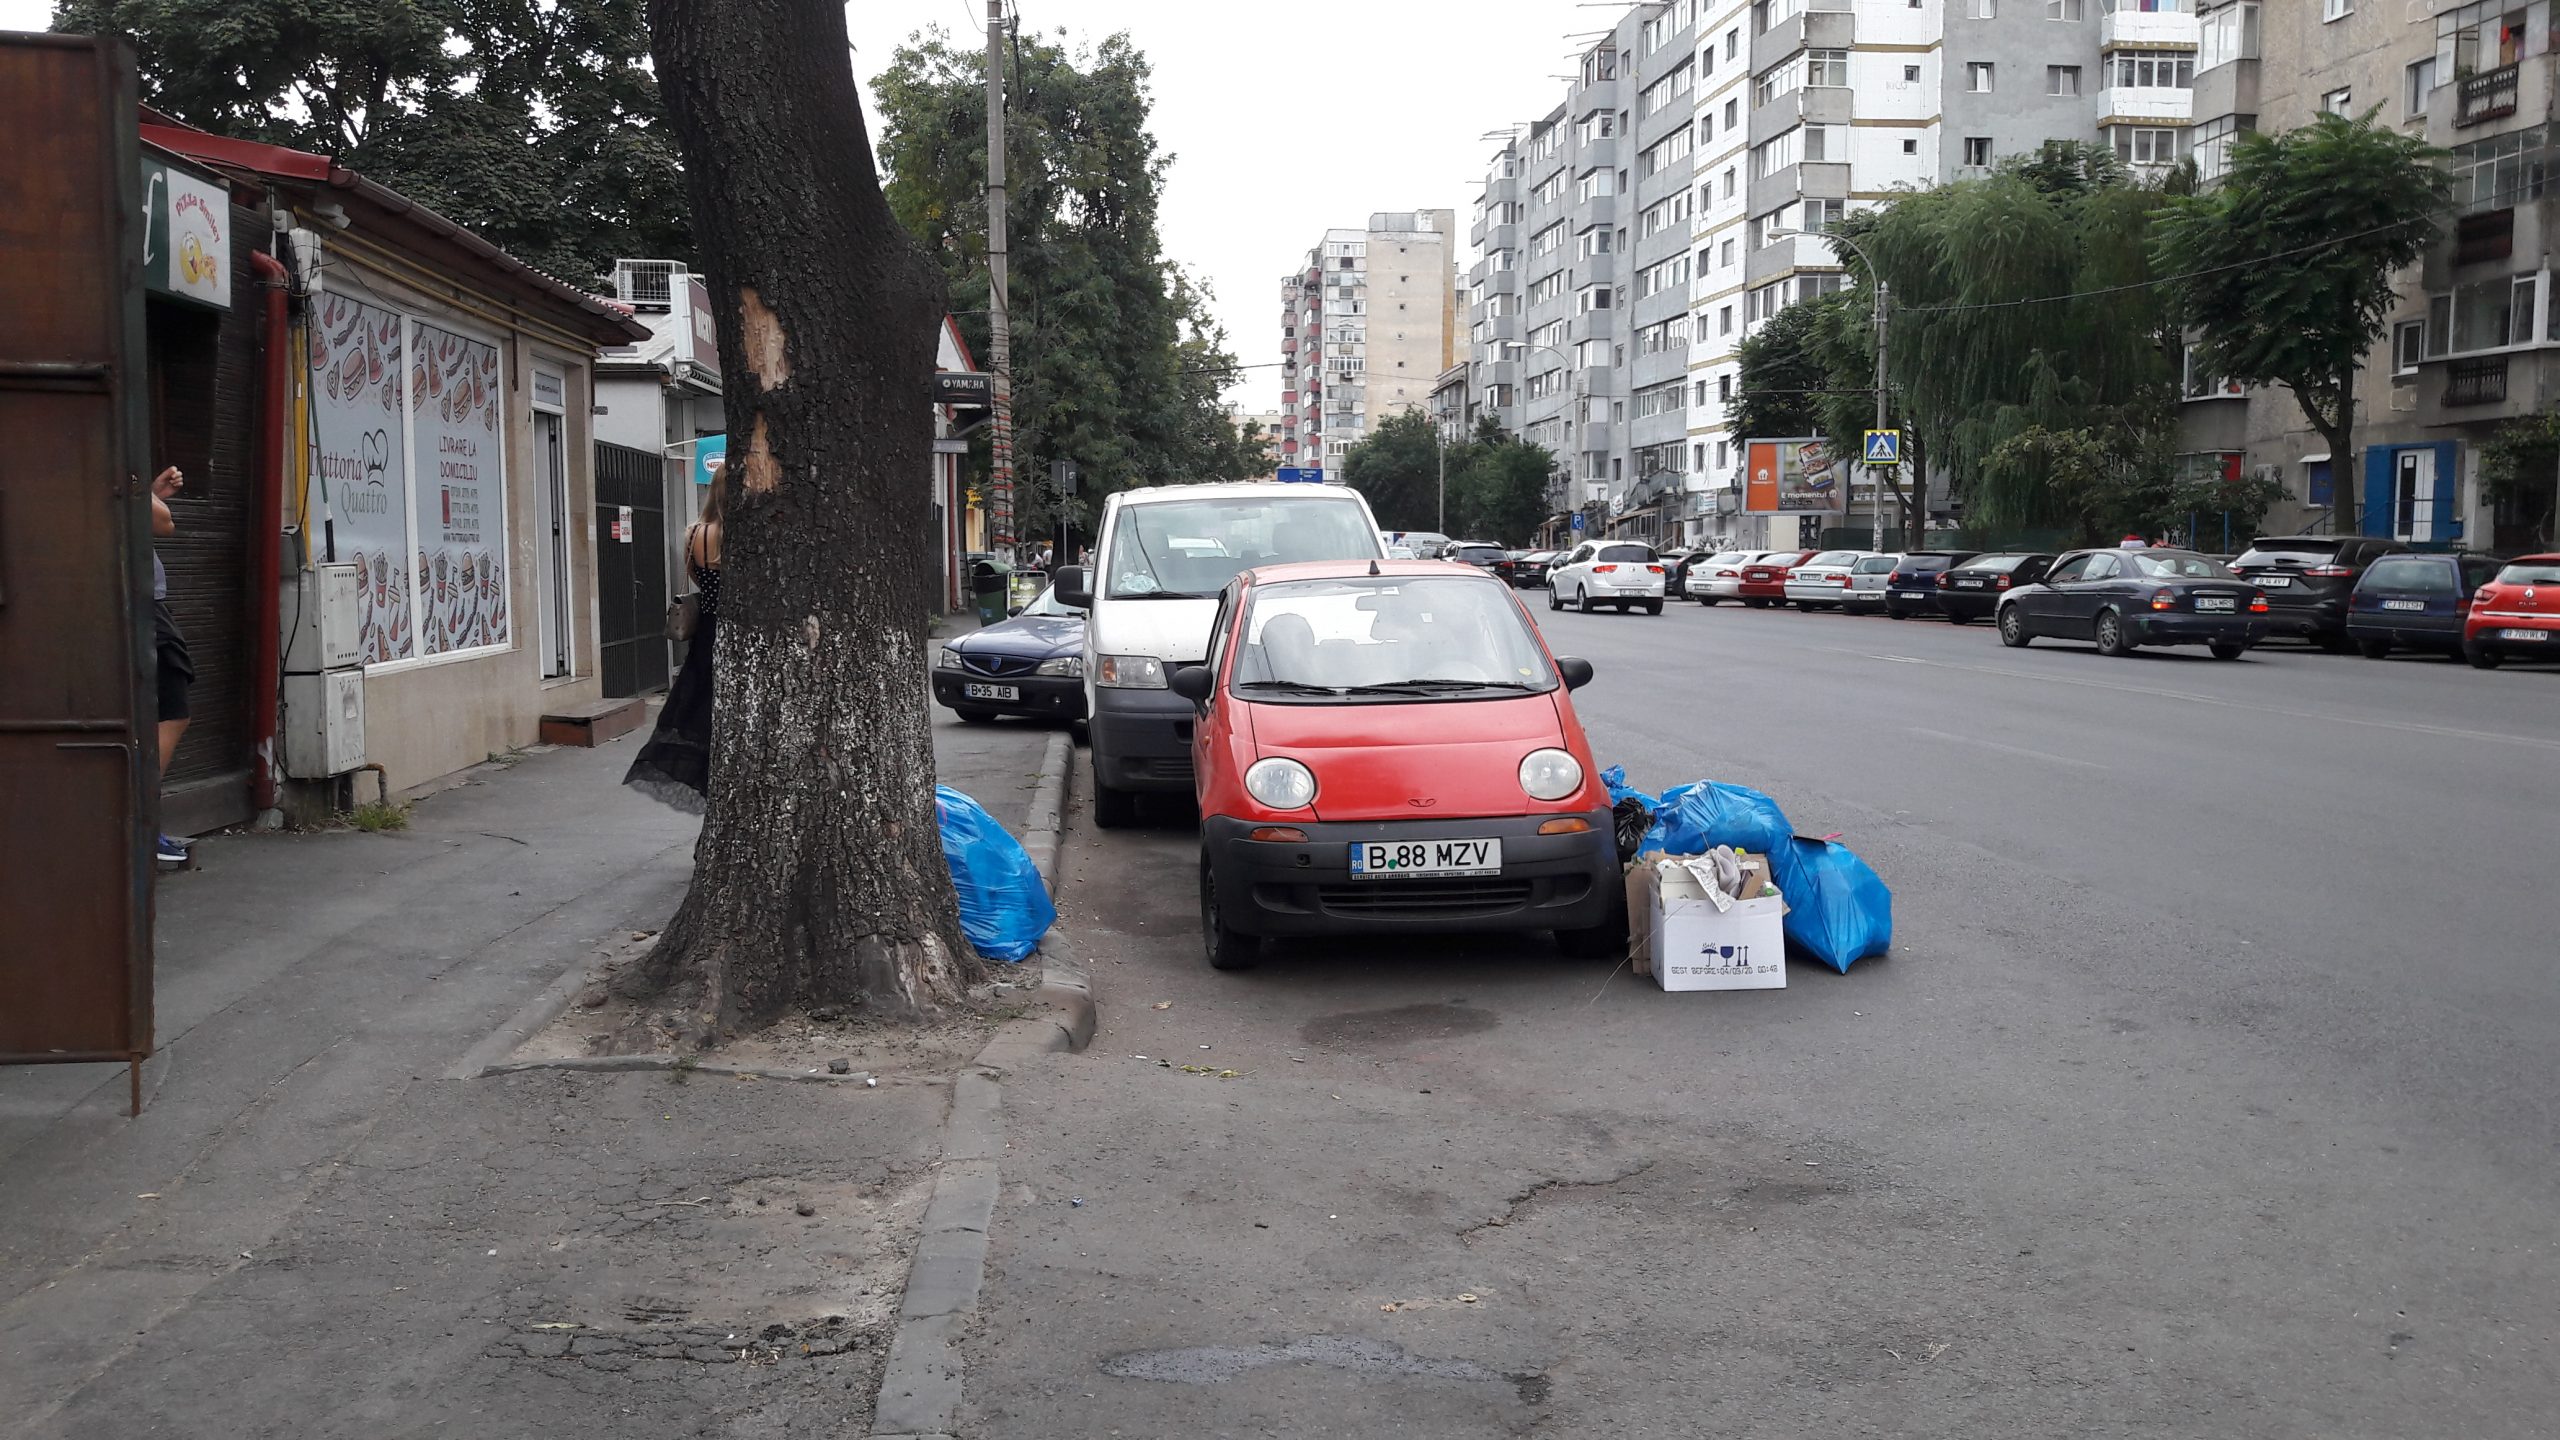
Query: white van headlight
x=1281, y=783
x=1550, y=774
x=1130, y=672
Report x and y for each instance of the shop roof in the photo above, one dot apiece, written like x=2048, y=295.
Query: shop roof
x=395, y=219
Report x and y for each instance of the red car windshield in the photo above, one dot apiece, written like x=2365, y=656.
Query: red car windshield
x=1392, y=637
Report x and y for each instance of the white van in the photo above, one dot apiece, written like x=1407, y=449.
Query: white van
x=1160, y=558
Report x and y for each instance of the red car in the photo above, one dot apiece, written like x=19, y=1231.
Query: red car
x=1388, y=748
x=1764, y=580
x=2517, y=615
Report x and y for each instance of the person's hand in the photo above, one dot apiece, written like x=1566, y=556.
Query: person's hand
x=168, y=482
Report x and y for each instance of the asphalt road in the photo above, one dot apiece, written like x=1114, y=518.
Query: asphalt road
x=2207, y=1091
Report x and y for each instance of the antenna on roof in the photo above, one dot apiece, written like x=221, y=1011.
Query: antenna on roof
x=1373, y=567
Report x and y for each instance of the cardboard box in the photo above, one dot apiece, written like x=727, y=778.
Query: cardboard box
x=1693, y=946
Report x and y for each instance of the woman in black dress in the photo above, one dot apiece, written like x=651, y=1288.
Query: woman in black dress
x=675, y=765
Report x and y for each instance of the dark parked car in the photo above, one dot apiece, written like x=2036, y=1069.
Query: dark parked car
x=1912, y=589
x=1972, y=590
x=2124, y=598
x=2307, y=579
x=2418, y=602
x=1031, y=664
x=1526, y=569
x=1482, y=554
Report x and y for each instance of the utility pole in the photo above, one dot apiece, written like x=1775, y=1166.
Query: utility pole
x=1876, y=473
x=999, y=311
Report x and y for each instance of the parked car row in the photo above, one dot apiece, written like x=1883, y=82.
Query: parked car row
x=2338, y=592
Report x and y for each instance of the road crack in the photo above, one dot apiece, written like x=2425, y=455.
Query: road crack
x=1512, y=1207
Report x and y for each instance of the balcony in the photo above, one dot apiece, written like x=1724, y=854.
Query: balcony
x=2489, y=95
x=2476, y=382
x=2128, y=29
x=1816, y=28
x=1289, y=346
x=2144, y=105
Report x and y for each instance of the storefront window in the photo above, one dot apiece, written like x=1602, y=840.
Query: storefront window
x=414, y=493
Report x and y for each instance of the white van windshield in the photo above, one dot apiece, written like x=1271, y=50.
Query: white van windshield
x=1190, y=549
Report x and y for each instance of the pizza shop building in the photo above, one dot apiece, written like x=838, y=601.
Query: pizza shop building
x=436, y=463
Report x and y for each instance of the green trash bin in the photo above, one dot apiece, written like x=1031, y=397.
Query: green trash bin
x=988, y=585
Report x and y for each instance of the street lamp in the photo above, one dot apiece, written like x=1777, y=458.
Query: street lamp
x=1920, y=482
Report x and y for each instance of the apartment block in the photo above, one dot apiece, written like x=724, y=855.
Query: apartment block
x=1683, y=185
x=1367, y=326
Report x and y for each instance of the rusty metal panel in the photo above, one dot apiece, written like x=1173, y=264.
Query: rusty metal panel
x=76, y=765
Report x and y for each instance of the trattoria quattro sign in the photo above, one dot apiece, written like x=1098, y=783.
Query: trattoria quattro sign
x=186, y=235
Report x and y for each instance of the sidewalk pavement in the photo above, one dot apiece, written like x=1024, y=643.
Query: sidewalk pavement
x=309, y=1231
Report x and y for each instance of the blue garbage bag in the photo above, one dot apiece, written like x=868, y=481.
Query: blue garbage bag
x=1838, y=909
x=1004, y=906
x=1615, y=777
x=1696, y=818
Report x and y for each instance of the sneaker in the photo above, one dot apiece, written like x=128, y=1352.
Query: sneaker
x=172, y=851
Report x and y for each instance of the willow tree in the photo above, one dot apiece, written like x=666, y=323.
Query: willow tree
x=819, y=873
x=2025, y=301
x=2288, y=269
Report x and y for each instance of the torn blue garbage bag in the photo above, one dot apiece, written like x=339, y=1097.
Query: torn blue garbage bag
x=1696, y=818
x=1838, y=909
x=1004, y=905
x=1615, y=777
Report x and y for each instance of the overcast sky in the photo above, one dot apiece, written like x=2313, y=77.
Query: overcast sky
x=1283, y=120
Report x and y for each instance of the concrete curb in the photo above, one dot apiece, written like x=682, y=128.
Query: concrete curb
x=920, y=1382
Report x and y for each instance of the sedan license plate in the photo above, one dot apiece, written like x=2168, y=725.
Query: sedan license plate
x=1390, y=859
x=2531, y=636
x=976, y=691
x=2404, y=604
x=2217, y=604
x=2274, y=582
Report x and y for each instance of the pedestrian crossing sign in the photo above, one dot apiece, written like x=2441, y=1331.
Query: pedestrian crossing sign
x=1884, y=447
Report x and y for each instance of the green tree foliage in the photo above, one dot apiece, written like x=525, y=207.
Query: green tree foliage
x=2286, y=269
x=1788, y=363
x=536, y=123
x=2023, y=303
x=2520, y=471
x=1116, y=363
x=1497, y=483
x=1500, y=491
x=1396, y=467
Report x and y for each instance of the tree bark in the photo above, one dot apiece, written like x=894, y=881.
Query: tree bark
x=819, y=874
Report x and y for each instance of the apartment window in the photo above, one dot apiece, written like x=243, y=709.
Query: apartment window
x=1781, y=79
x=2501, y=171
x=1980, y=9
x=1662, y=215
x=1810, y=286
x=1910, y=74
x=1592, y=354
x=1662, y=275
x=1732, y=42
x=1724, y=321
x=1977, y=76
x=1547, y=241
x=1669, y=398
x=1595, y=297
x=1598, y=125
x=1549, y=190
x=1823, y=216
x=1671, y=149
x=2210, y=143
x=1724, y=393
x=1720, y=454
x=1542, y=291
x=2228, y=34
x=1542, y=385
x=1724, y=252
x=2156, y=69
x=1910, y=147
x=1771, y=156
x=1732, y=113
x=1764, y=302
x=2147, y=145
x=2421, y=83
x=2492, y=313
x=2336, y=10
x=1595, y=185
x=1977, y=150
x=2408, y=346
x=1594, y=241
x=2338, y=101
x=2063, y=10
x=2062, y=79
x=1664, y=337
x=1659, y=95
x=1827, y=67
x=1728, y=182
x=1550, y=334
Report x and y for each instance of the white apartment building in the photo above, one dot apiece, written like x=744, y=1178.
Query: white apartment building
x=1700, y=149
x=1367, y=326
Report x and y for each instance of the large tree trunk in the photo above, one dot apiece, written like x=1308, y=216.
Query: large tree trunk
x=819, y=874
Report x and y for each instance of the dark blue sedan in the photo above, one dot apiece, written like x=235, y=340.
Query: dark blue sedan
x=1032, y=664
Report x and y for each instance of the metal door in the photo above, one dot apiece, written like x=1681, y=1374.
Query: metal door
x=631, y=569
x=551, y=560
x=77, y=798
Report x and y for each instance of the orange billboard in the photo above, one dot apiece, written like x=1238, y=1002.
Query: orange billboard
x=1793, y=477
